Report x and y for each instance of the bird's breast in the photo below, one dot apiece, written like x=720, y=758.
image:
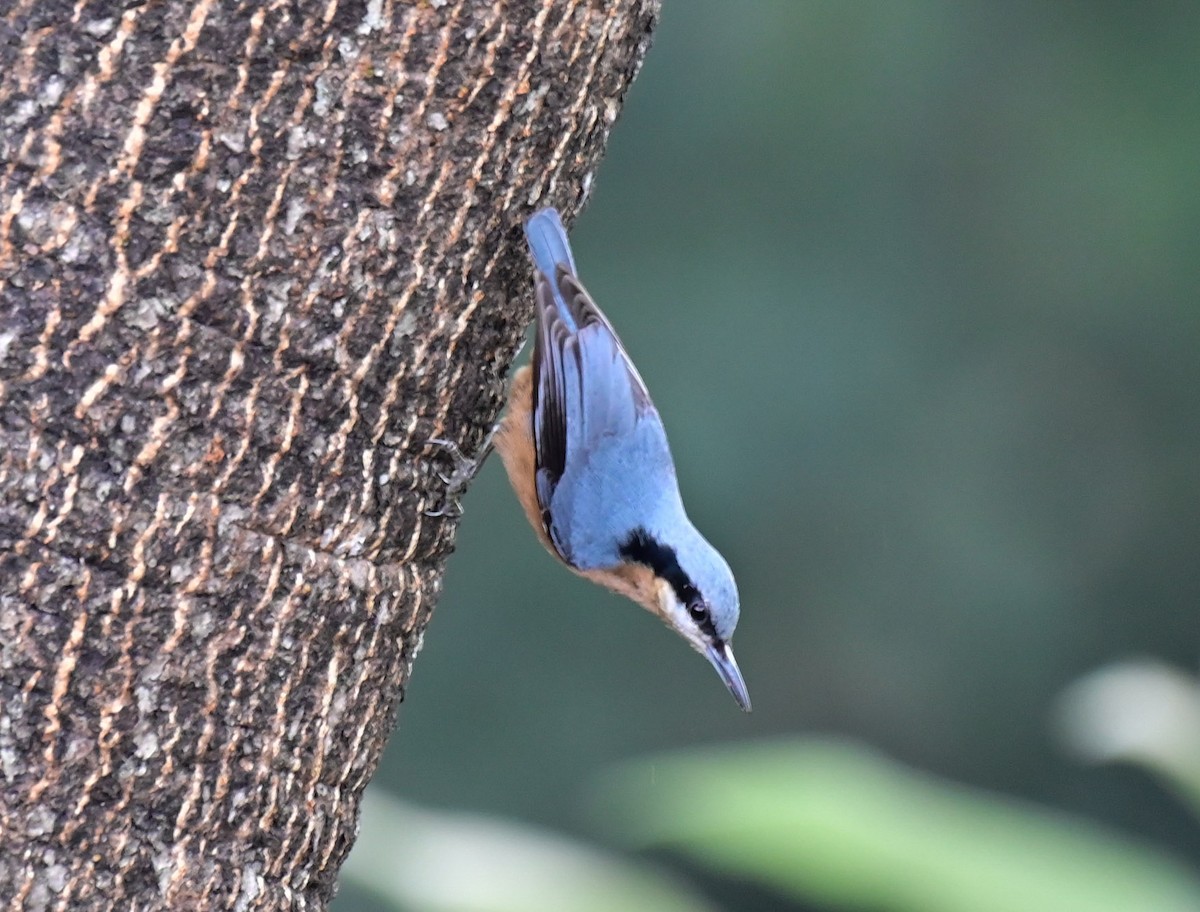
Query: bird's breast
x=514, y=443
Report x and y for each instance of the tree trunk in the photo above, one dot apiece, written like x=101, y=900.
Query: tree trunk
x=252, y=255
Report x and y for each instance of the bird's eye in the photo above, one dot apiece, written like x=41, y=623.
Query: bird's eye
x=698, y=611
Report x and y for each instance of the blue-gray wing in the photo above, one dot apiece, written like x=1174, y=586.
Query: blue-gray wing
x=594, y=424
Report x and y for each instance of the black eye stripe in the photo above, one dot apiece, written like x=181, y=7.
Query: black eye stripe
x=705, y=622
x=642, y=548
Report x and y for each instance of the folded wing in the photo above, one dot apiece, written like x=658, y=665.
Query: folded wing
x=588, y=394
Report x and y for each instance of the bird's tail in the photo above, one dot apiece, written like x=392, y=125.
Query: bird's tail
x=548, y=242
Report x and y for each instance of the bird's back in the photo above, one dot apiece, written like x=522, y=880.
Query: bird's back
x=604, y=466
x=623, y=484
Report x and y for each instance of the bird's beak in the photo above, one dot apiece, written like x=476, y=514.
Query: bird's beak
x=722, y=660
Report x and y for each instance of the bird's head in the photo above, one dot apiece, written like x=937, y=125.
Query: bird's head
x=686, y=582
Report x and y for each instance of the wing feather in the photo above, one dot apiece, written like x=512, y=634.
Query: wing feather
x=589, y=401
x=587, y=315
x=549, y=394
x=588, y=393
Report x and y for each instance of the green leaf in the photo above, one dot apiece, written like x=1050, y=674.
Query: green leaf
x=835, y=823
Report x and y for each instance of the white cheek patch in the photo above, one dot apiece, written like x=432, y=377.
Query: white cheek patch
x=668, y=605
x=675, y=614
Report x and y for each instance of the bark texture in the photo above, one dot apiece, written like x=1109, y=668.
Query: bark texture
x=252, y=255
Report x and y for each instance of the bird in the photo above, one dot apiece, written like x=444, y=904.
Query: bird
x=586, y=453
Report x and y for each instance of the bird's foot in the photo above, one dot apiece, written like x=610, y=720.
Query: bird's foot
x=463, y=469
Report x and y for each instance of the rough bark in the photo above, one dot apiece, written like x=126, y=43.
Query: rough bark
x=252, y=255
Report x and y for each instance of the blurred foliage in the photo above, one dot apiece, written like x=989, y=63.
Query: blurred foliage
x=835, y=822
x=418, y=860
x=914, y=286
x=1141, y=712
x=823, y=821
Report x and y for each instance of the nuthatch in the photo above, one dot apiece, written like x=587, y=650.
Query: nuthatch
x=587, y=455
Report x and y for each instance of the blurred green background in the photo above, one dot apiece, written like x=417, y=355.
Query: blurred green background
x=915, y=286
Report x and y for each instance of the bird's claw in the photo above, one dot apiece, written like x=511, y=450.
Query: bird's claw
x=464, y=467
x=457, y=479
x=450, y=508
